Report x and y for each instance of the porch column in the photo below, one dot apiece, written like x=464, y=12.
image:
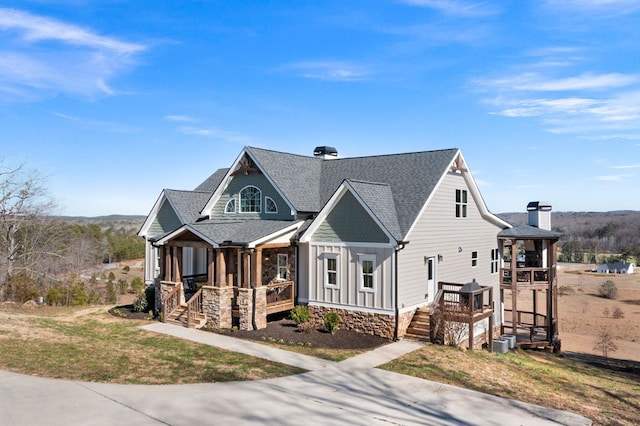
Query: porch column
x=211, y=263
x=514, y=287
x=179, y=263
x=167, y=263
x=221, y=269
x=256, y=268
x=162, y=262
x=260, y=296
x=246, y=269
x=232, y=268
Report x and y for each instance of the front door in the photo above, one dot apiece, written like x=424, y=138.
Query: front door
x=431, y=278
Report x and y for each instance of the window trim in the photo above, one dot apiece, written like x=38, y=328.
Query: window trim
x=284, y=256
x=361, y=274
x=461, y=203
x=326, y=270
x=266, y=205
x=258, y=193
x=495, y=261
x=474, y=259
x=226, y=206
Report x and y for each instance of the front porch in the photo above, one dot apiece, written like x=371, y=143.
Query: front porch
x=240, y=287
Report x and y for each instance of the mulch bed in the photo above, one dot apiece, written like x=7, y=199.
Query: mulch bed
x=284, y=330
x=280, y=329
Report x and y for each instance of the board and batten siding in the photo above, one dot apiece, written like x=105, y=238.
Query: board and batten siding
x=438, y=232
x=233, y=191
x=348, y=293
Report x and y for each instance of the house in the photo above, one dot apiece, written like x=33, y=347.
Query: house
x=375, y=238
x=615, y=268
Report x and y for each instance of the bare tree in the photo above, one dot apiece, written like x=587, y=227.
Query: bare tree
x=605, y=342
x=24, y=207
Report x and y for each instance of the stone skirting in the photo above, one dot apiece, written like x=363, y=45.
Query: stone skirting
x=246, y=310
x=377, y=324
x=404, y=321
x=216, y=304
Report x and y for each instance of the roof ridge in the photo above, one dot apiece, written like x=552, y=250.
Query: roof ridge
x=369, y=182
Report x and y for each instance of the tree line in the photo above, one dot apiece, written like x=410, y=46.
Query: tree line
x=39, y=250
x=593, y=237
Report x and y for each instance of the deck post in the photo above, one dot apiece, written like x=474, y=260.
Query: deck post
x=514, y=287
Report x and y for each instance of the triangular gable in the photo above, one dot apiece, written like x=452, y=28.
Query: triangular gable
x=244, y=163
x=163, y=216
x=348, y=211
x=458, y=165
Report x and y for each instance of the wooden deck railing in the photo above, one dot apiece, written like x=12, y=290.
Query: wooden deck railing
x=525, y=276
x=474, y=302
x=280, y=297
x=194, y=307
x=171, y=301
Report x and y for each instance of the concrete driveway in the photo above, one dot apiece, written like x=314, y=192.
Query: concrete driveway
x=346, y=393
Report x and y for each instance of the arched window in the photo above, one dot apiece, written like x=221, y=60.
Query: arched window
x=270, y=205
x=250, y=200
x=231, y=206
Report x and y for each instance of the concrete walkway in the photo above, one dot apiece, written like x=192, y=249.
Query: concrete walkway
x=351, y=392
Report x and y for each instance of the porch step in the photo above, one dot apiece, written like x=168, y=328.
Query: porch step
x=420, y=326
x=179, y=317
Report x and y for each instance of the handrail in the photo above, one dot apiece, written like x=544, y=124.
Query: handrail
x=194, y=307
x=280, y=296
x=171, y=301
x=436, y=302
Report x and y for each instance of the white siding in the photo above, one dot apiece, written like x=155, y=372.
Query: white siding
x=439, y=233
x=348, y=292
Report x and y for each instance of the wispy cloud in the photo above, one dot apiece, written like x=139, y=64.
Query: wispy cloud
x=628, y=166
x=610, y=7
x=612, y=178
x=463, y=8
x=180, y=118
x=329, y=70
x=42, y=56
x=212, y=132
x=108, y=126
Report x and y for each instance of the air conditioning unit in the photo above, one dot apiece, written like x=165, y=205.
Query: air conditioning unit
x=500, y=346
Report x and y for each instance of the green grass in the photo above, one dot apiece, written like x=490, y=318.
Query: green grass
x=88, y=348
x=605, y=395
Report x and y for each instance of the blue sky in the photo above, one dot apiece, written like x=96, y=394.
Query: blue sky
x=115, y=100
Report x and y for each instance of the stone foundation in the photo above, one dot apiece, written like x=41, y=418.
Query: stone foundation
x=246, y=311
x=216, y=304
x=260, y=318
x=404, y=321
x=363, y=322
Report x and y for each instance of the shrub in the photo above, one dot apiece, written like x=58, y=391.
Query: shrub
x=617, y=313
x=299, y=314
x=609, y=290
x=141, y=305
x=137, y=285
x=332, y=321
x=126, y=269
x=21, y=288
x=122, y=286
x=111, y=293
x=151, y=297
x=565, y=290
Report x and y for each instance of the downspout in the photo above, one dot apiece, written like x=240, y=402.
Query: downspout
x=400, y=246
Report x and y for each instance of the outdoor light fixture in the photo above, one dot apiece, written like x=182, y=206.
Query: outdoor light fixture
x=459, y=249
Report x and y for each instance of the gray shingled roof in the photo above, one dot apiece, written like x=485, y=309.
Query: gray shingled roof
x=241, y=231
x=211, y=183
x=379, y=198
x=187, y=203
x=297, y=176
x=309, y=182
x=527, y=231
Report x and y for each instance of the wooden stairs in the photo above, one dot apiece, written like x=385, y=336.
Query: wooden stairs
x=179, y=317
x=420, y=326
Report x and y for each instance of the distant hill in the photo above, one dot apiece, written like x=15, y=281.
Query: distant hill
x=114, y=220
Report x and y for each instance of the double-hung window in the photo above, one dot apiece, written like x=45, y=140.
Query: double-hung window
x=495, y=261
x=331, y=270
x=461, y=203
x=474, y=259
x=366, y=272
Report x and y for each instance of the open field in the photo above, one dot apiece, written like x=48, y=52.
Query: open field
x=582, y=314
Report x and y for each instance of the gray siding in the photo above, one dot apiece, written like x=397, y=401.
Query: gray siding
x=233, y=190
x=166, y=221
x=348, y=292
x=349, y=221
x=439, y=232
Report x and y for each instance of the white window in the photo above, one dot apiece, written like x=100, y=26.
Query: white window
x=231, y=206
x=495, y=261
x=250, y=200
x=270, y=205
x=331, y=270
x=461, y=203
x=366, y=272
x=283, y=267
x=474, y=259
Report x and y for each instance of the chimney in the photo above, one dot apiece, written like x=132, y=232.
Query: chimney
x=325, y=152
x=540, y=214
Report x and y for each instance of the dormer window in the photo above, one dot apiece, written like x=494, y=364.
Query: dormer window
x=250, y=200
x=231, y=206
x=270, y=205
